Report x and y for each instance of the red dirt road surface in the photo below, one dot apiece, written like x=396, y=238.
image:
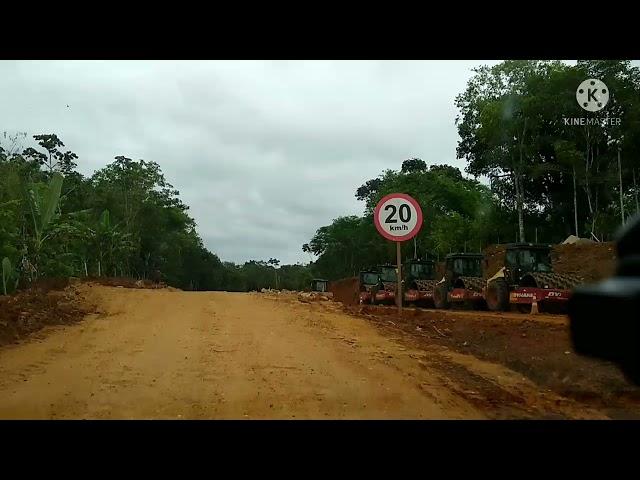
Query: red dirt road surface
x=171, y=354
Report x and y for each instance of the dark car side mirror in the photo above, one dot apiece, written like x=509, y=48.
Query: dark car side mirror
x=605, y=317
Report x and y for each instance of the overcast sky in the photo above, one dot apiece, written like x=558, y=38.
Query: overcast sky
x=264, y=152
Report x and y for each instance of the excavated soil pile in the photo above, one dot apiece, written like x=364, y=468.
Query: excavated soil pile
x=591, y=261
x=119, y=282
x=29, y=310
x=346, y=290
x=51, y=301
x=308, y=297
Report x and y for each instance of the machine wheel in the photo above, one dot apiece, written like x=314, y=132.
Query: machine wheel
x=523, y=307
x=373, y=296
x=498, y=295
x=440, y=299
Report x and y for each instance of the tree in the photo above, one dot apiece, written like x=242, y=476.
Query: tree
x=124, y=220
x=274, y=263
x=447, y=170
x=54, y=159
x=368, y=189
x=460, y=214
x=570, y=159
x=497, y=125
x=137, y=194
x=413, y=165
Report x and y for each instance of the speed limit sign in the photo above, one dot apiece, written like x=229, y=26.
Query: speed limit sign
x=398, y=217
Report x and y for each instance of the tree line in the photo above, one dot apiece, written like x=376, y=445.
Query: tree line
x=548, y=175
x=543, y=178
x=125, y=220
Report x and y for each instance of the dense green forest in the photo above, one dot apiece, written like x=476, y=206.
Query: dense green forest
x=547, y=178
x=125, y=220
x=542, y=180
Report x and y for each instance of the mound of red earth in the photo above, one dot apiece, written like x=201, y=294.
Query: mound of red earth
x=51, y=301
x=48, y=302
x=120, y=282
x=346, y=290
x=591, y=261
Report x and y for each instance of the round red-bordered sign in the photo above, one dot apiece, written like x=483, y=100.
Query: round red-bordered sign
x=398, y=217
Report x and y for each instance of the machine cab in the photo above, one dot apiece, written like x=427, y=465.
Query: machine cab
x=419, y=270
x=463, y=265
x=369, y=278
x=319, y=285
x=388, y=274
x=523, y=258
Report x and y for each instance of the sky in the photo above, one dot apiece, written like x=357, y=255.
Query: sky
x=263, y=152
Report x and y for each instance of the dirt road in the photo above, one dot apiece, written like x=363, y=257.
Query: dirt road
x=194, y=355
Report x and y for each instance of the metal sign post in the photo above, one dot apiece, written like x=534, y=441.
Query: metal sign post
x=399, y=282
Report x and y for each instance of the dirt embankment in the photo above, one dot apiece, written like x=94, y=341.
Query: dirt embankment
x=119, y=282
x=346, y=290
x=540, y=349
x=590, y=261
x=52, y=301
x=30, y=310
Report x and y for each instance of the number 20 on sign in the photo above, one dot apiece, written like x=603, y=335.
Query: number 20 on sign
x=398, y=218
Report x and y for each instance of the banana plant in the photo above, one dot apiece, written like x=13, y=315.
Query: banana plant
x=42, y=202
x=111, y=243
x=102, y=241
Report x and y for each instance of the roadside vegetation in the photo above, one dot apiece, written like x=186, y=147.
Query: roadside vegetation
x=125, y=220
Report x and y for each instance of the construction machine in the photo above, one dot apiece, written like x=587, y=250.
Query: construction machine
x=419, y=281
x=319, y=285
x=462, y=281
x=527, y=279
x=387, y=285
x=368, y=285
